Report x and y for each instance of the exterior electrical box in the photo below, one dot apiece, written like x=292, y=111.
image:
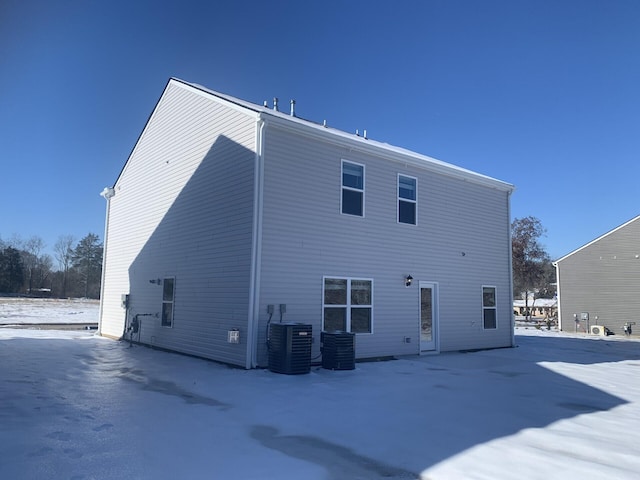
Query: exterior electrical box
x=290, y=348
x=338, y=350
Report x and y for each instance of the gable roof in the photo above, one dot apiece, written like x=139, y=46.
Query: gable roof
x=332, y=134
x=353, y=141
x=598, y=239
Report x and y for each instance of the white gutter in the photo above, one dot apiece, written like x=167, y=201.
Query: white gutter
x=107, y=193
x=256, y=249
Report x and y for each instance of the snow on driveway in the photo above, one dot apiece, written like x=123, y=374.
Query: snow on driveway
x=74, y=405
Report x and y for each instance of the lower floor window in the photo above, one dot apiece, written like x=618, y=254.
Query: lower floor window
x=168, y=293
x=347, y=305
x=489, y=307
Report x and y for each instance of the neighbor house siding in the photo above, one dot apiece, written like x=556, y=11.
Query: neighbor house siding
x=603, y=280
x=183, y=208
x=305, y=237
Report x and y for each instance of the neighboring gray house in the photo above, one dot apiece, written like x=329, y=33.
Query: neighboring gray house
x=598, y=283
x=225, y=208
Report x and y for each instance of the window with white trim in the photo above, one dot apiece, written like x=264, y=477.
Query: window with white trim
x=489, y=313
x=347, y=305
x=168, y=294
x=352, y=199
x=407, y=199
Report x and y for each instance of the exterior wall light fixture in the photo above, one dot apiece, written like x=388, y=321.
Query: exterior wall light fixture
x=156, y=281
x=407, y=281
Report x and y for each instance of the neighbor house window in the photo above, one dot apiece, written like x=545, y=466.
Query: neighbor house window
x=407, y=199
x=168, y=291
x=489, y=307
x=352, y=201
x=347, y=305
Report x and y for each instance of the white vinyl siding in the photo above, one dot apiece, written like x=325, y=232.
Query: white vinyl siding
x=183, y=207
x=602, y=279
x=309, y=241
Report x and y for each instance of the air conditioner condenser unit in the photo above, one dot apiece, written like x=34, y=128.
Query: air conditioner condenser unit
x=598, y=330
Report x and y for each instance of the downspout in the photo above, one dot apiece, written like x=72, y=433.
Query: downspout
x=513, y=318
x=558, y=296
x=107, y=194
x=256, y=249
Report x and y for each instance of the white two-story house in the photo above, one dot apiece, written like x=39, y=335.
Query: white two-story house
x=229, y=215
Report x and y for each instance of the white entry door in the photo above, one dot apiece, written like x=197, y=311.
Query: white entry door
x=428, y=316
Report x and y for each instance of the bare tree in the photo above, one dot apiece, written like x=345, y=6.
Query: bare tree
x=530, y=260
x=31, y=258
x=64, y=254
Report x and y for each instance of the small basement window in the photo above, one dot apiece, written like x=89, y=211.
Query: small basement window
x=168, y=293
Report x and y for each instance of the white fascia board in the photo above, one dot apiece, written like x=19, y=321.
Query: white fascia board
x=247, y=108
x=596, y=240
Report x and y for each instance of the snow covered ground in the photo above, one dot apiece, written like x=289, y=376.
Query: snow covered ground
x=19, y=310
x=77, y=406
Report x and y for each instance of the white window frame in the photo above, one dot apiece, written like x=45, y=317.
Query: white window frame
x=171, y=302
x=352, y=189
x=402, y=199
x=494, y=307
x=348, y=305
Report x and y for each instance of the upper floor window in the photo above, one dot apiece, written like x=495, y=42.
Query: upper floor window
x=407, y=199
x=489, y=307
x=352, y=201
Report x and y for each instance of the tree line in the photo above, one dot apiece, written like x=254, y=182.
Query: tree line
x=25, y=269
x=75, y=272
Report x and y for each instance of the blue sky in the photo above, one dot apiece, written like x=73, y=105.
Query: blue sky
x=543, y=94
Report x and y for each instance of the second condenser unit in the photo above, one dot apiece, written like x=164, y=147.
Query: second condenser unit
x=338, y=350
